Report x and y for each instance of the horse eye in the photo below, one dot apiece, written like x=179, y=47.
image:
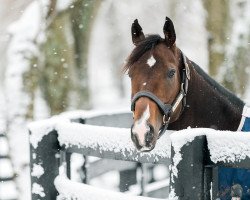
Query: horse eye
x=171, y=73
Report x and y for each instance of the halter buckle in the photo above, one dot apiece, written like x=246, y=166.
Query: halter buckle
x=165, y=119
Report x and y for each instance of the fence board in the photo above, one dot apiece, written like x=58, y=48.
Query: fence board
x=68, y=189
x=134, y=156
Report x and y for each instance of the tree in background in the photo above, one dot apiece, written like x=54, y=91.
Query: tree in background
x=228, y=24
x=236, y=66
x=217, y=26
x=46, y=71
x=60, y=71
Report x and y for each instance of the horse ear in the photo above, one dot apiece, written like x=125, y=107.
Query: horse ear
x=169, y=32
x=137, y=34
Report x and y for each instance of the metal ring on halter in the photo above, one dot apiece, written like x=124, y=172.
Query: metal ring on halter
x=164, y=119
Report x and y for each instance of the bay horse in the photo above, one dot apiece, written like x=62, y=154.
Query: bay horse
x=169, y=91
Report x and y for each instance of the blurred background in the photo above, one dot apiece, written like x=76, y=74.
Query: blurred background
x=61, y=55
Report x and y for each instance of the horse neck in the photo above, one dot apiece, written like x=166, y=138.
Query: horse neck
x=210, y=105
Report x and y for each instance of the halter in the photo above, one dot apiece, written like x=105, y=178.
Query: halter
x=167, y=109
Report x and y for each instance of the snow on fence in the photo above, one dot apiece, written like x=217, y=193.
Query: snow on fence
x=194, y=154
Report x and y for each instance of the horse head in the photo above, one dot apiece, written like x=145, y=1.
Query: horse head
x=155, y=67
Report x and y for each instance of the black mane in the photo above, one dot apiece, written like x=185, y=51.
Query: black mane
x=147, y=44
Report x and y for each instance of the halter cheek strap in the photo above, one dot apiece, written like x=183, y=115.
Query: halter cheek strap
x=167, y=109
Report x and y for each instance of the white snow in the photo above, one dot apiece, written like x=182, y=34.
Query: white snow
x=8, y=190
x=72, y=190
x=63, y=4
x=38, y=189
x=172, y=195
x=4, y=148
x=6, y=170
x=151, y=61
x=43, y=127
x=106, y=139
x=225, y=146
x=228, y=146
x=37, y=171
x=160, y=172
x=77, y=162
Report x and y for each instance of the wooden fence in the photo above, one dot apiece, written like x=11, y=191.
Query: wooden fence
x=193, y=169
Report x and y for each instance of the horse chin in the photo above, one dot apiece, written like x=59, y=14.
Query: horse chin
x=147, y=148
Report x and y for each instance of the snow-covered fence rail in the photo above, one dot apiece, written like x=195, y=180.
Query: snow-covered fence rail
x=196, y=156
x=106, y=142
x=52, y=140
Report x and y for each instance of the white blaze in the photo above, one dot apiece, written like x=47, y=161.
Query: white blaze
x=151, y=61
x=141, y=128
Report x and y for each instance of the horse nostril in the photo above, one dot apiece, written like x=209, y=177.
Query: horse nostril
x=151, y=128
x=150, y=134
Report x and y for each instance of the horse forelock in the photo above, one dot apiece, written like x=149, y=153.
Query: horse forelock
x=147, y=44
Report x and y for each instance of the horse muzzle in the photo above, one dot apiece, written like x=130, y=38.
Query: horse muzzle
x=143, y=137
